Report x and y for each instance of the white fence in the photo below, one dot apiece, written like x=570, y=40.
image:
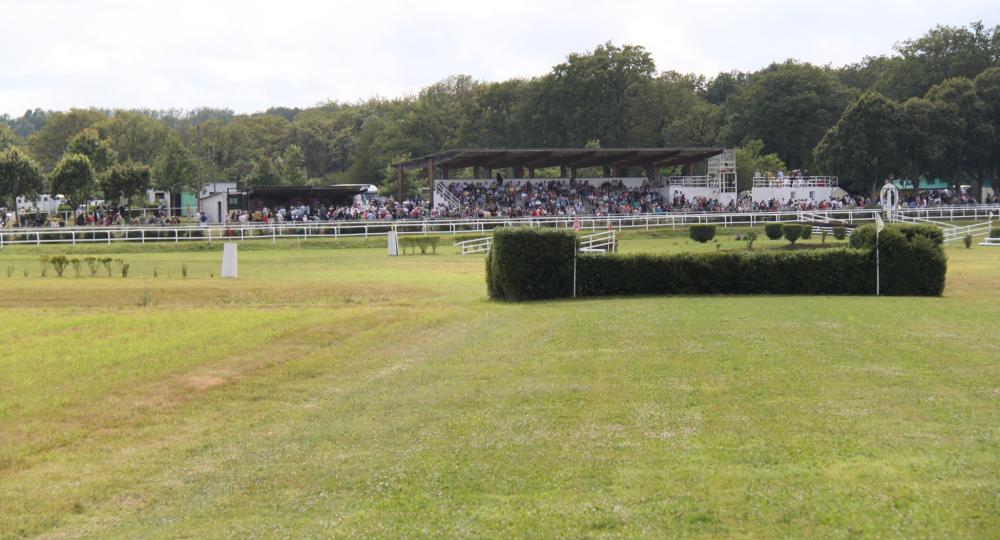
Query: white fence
x=602, y=242
x=476, y=245
x=812, y=181
x=365, y=229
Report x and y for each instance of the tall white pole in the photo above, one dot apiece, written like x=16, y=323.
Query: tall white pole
x=878, y=271
x=574, y=268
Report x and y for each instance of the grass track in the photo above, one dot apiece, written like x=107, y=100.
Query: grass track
x=346, y=393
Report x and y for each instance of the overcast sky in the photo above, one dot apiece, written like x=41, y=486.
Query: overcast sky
x=248, y=55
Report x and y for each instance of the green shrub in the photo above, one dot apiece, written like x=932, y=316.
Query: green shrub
x=828, y=271
x=91, y=265
x=863, y=237
x=994, y=233
x=773, y=231
x=59, y=263
x=530, y=264
x=807, y=231
x=792, y=232
x=423, y=243
x=967, y=240
x=839, y=232
x=76, y=266
x=702, y=233
x=750, y=237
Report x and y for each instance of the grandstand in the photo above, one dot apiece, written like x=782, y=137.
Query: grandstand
x=624, y=169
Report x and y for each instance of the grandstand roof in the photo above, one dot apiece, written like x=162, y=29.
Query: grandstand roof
x=500, y=158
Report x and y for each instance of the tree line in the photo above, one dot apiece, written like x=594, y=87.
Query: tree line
x=931, y=108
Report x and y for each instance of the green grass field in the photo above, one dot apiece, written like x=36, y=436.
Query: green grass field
x=341, y=392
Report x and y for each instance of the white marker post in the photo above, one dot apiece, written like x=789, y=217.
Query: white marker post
x=393, y=244
x=228, y=260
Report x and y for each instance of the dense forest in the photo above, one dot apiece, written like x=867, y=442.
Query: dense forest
x=932, y=108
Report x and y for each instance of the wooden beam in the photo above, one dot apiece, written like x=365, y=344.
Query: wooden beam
x=400, y=184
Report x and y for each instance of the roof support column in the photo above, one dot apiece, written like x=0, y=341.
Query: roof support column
x=400, y=183
x=531, y=172
x=475, y=172
x=572, y=173
x=430, y=179
x=607, y=171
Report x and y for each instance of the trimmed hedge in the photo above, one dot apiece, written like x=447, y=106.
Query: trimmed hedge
x=839, y=232
x=807, y=231
x=527, y=264
x=702, y=233
x=531, y=264
x=792, y=232
x=863, y=237
x=826, y=271
x=420, y=242
x=773, y=231
x=994, y=233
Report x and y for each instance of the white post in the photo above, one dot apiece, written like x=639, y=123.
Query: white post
x=228, y=260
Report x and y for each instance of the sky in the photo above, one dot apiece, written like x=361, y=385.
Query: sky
x=248, y=55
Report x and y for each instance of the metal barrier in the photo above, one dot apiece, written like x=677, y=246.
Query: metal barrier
x=602, y=242
x=476, y=245
x=366, y=229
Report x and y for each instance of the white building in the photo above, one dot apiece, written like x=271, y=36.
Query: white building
x=213, y=200
x=43, y=203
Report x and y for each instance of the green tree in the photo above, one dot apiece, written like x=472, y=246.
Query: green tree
x=19, y=176
x=293, y=166
x=750, y=159
x=88, y=142
x=7, y=137
x=125, y=181
x=134, y=136
x=968, y=136
x=174, y=169
x=48, y=144
x=263, y=173
x=789, y=106
x=74, y=177
x=861, y=146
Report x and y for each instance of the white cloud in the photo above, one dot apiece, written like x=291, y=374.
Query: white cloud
x=251, y=54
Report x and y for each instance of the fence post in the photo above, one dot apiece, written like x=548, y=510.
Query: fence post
x=176, y=236
x=73, y=233
x=109, y=237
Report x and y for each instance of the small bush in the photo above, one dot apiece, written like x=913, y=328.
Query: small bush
x=792, y=232
x=44, y=260
x=822, y=237
x=92, y=265
x=967, y=240
x=863, y=237
x=839, y=232
x=76, y=266
x=807, y=232
x=184, y=270
x=423, y=243
x=702, y=233
x=124, y=269
x=750, y=237
x=106, y=262
x=59, y=264
x=994, y=233
x=773, y=231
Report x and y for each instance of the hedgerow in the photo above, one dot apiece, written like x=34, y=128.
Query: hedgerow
x=527, y=264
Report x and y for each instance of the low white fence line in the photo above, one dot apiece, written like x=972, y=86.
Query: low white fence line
x=366, y=229
x=602, y=242
x=990, y=242
x=476, y=245
x=957, y=233
x=820, y=229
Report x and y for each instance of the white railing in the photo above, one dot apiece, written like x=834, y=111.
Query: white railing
x=974, y=230
x=701, y=182
x=812, y=181
x=990, y=242
x=820, y=229
x=476, y=245
x=444, y=195
x=365, y=229
x=602, y=242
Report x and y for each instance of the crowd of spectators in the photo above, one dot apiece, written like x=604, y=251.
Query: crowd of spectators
x=500, y=198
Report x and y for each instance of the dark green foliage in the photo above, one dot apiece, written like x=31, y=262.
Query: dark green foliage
x=863, y=237
x=750, y=237
x=792, y=232
x=830, y=271
x=702, y=233
x=773, y=231
x=967, y=240
x=531, y=264
x=839, y=232
x=994, y=233
x=807, y=232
